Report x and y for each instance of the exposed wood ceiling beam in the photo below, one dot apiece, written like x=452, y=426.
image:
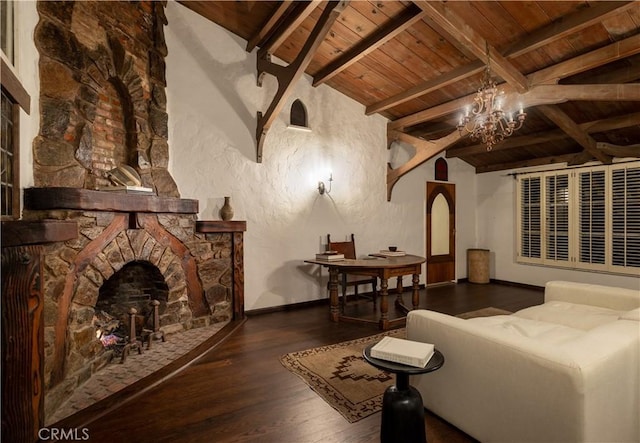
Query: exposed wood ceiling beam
x=540, y=161
x=429, y=86
x=372, y=42
x=599, y=57
x=566, y=26
x=619, y=151
x=625, y=74
x=287, y=76
x=537, y=95
x=593, y=127
x=593, y=59
x=289, y=25
x=269, y=26
x=544, y=36
x=564, y=122
x=461, y=32
x=424, y=151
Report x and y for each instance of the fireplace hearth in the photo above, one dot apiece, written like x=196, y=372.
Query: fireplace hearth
x=132, y=250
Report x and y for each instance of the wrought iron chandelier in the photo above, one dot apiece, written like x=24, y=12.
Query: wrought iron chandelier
x=485, y=120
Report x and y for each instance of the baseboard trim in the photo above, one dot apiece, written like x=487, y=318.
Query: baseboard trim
x=289, y=307
x=517, y=285
x=311, y=303
x=325, y=301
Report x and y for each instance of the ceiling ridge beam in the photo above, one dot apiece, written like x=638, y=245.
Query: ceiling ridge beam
x=460, y=31
x=386, y=32
x=578, y=20
x=268, y=27
x=287, y=76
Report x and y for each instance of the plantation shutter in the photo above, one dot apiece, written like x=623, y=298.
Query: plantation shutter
x=530, y=217
x=557, y=217
x=592, y=213
x=625, y=199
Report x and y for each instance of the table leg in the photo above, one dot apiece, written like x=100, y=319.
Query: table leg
x=334, y=310
x=384, y=304
x=402, y=413
x=399, y=291
x=416, y=291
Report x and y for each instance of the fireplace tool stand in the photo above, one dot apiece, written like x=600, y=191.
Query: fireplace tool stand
x=149, y=335
x=133, y=343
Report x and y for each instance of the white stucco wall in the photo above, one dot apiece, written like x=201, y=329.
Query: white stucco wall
x=212, y=103
x=496, y=205
x=26, y=69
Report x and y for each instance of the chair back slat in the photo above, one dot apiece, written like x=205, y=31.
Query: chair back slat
x=348, y=248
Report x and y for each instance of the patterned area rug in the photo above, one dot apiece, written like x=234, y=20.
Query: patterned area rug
x=340, y=375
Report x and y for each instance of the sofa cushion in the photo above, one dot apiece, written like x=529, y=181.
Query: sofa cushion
x=573, y=315
x=550, y=333
x=633, y=314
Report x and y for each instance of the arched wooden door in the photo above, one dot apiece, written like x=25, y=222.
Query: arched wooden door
x=441, y=232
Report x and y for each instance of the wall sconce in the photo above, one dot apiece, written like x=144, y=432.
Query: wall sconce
x=321, y=187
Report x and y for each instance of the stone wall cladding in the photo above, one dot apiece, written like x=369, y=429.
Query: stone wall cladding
x=102, y=94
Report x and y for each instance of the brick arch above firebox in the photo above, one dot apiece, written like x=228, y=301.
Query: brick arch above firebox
x=107, y=253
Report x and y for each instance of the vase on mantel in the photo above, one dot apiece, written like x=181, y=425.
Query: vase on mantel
x=226, y=212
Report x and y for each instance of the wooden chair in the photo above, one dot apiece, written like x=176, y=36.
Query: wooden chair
x=348, y=248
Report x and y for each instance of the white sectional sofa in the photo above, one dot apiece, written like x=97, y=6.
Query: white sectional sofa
x=564, y=371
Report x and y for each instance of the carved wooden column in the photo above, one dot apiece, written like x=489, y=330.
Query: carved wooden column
x=23, y=324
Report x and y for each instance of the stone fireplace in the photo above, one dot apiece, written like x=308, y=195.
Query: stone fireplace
x=103, y=106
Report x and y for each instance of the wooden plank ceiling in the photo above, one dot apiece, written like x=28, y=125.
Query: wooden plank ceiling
x=573, y=65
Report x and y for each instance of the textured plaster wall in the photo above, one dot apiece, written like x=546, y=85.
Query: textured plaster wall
x=212, y=105
x=26, y=68
x=496, y=204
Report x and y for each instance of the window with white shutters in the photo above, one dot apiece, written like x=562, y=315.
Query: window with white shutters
x=583, y=218
x=625, y=198
x=557, y=217
x=529, y=216
x=592, y=217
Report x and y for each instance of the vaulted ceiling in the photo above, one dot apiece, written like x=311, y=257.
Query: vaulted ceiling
x=574, y=66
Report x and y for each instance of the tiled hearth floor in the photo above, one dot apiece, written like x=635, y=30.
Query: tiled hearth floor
x=116, y=376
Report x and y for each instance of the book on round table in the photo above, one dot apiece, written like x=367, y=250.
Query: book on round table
x=406, y=352
x=331, y=256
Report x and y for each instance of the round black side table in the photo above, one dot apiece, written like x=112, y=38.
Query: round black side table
x=402, y=407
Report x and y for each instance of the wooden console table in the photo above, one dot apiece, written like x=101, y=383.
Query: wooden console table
x=384, y=269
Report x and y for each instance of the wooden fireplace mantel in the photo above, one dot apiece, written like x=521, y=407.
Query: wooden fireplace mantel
x=207, y=226
x=87, y=199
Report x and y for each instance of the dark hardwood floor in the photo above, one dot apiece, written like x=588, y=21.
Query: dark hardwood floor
x=239, y=392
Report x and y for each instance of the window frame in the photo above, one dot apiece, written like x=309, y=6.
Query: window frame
x=18, y=95
x=576, y=223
